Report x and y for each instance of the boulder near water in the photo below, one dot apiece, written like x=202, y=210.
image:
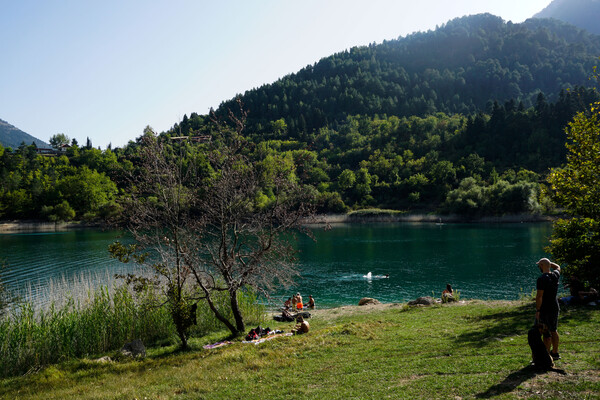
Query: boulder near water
x=422, y=301
x=367, y=300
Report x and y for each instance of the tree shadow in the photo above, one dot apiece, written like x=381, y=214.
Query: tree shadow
x=516, y=322
x=497, y=325
x=512, y=381
x=577, y=313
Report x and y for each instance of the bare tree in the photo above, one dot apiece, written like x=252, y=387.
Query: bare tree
x=199, y=227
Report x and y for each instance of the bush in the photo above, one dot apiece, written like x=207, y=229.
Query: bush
x=576, y=242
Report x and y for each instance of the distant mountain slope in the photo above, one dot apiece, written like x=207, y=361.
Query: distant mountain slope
x=582, y=13
x=13, y=137
x=461, y=67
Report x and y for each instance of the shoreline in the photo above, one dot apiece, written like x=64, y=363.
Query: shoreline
x=43, y=226
x=359, y=217
x=346, y=310
x=366, y=217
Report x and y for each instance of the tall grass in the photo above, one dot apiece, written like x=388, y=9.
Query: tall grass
x=96, y=321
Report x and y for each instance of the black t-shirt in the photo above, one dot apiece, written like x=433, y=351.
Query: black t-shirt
x=548, y=282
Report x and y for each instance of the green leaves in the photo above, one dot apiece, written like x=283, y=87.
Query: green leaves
x=576, y=187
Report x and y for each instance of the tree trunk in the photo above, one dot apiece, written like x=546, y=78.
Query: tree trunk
x=237, y=314
x=182, y=337
x=220, y=317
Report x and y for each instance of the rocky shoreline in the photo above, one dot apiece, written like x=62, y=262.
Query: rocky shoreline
x=41, y=226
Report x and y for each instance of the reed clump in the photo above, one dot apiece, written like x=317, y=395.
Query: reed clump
x=98, y=321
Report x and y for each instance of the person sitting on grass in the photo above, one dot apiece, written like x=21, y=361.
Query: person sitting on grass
x=448, y=294
x=301, y=327
x=286, y=316
x=579, y=293
x=311, y=302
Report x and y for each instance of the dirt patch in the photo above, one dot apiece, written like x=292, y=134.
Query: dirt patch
x=329, y=313
x=343, y=311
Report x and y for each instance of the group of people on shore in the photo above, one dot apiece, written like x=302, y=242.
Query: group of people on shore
x=295, y=303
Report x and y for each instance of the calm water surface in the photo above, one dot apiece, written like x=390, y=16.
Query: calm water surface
x=481, y=261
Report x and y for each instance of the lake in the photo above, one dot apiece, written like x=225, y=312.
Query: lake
x=482, y=261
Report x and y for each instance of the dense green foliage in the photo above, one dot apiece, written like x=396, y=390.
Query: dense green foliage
x=77, y=184
x=473, y=165
x=576, y=241
x=459, y=68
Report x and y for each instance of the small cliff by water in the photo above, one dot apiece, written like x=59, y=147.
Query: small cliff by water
x=42, y=226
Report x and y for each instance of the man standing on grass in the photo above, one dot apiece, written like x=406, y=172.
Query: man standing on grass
x=546, y=304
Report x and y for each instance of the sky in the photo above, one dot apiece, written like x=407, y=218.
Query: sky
x=106, y=69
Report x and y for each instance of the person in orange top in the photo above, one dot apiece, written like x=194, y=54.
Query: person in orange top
x=448, y=294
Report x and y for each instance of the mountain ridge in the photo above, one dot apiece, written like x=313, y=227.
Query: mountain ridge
x=460, y=68
x=11, y=136
x=581, y=13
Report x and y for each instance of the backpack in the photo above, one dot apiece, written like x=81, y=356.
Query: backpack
x=252, y=335
x=541, y=357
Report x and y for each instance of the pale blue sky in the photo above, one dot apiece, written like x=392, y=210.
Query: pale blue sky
x=105, y=69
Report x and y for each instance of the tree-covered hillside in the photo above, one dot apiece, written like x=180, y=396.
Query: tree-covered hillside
x=481, y=164
x=466, y=119
x=11, y=136
x=582, y=13
x=461, y=67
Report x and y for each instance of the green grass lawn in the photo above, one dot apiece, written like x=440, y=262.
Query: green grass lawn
x=478, y=350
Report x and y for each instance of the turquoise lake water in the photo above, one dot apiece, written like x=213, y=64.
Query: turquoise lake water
x=495, y=261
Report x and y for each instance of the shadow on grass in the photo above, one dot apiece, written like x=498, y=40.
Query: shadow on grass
x=577, y=313
x=516, y=322
x=499, y=324
x=512, y=381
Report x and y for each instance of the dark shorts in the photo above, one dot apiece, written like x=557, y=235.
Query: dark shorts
x=550, y=319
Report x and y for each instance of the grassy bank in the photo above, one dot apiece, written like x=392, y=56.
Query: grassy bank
x=478, y=350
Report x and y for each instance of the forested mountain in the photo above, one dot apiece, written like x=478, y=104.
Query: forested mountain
x=466, y=119
x=461, y=67
x=582, y=13
x=13, y=137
